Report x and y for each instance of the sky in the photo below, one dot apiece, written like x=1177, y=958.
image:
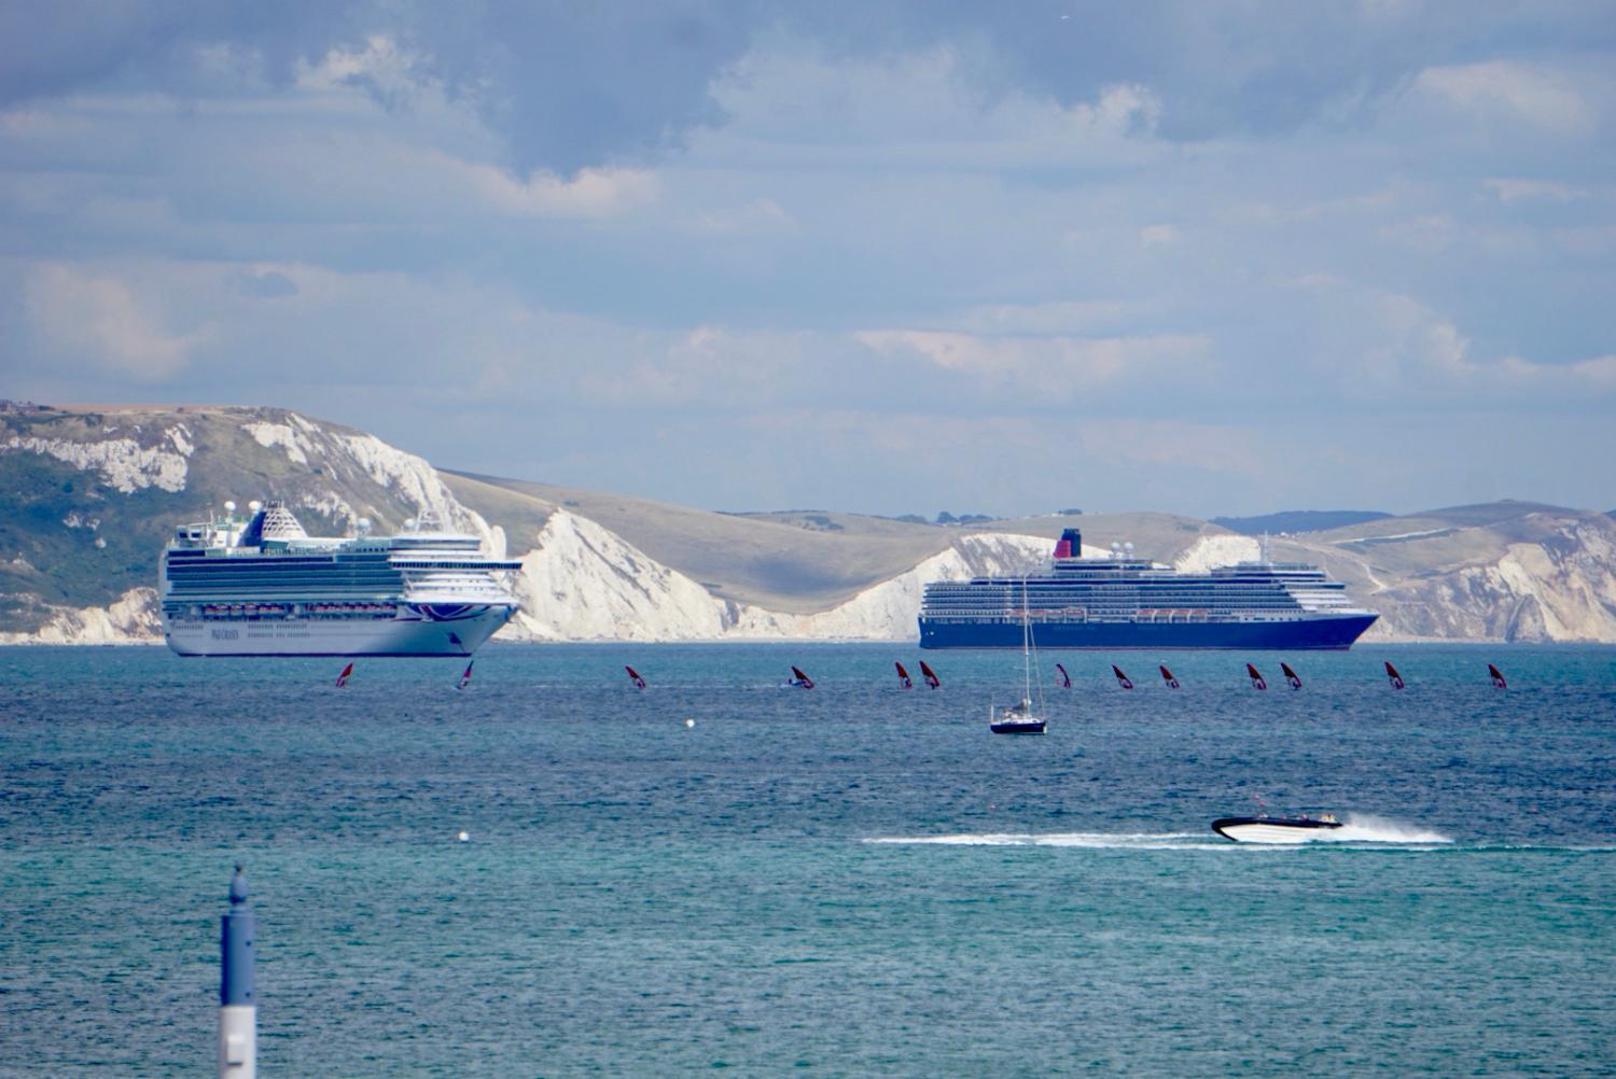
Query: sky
x=1200, y=257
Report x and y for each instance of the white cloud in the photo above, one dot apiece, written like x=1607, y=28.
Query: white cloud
x=98, y=317
x=925, y=109
x=1504, y=89
x=1158, y=235
x=591, y=193
x=760, y=216
x=1053, y=317
x=1418, y=345
x=1427, y=233
x=360, y=137
x=1174, y=444
x=707, y=366
x=1058, y=367
x=1599, y=371
x=390, y=69
x=1518, y=190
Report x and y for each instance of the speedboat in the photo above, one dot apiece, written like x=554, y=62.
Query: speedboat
x=1276, y=829
x=1017, y=719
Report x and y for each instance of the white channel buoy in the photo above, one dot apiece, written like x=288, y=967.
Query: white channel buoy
x=464, y=837
x=690, y=723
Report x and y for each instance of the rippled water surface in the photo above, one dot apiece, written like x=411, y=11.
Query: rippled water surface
x=722, y=871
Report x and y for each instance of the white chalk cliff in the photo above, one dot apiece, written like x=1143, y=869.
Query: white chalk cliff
x=1525, y=573
x=131, y=620
x=582, y=582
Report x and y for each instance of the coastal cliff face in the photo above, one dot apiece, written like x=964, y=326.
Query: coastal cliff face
x=89, y=496
x=1505, y=571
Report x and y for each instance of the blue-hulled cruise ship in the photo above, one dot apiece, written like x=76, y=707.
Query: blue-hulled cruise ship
x=263, y=587
x=1122, y=602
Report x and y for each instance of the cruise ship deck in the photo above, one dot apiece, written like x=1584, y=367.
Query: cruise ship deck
x=1122, y=602
x=264, y=587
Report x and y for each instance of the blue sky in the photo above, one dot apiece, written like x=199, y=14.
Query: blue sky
x=1206, y=258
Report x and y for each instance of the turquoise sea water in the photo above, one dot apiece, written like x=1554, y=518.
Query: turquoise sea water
x=848, y=880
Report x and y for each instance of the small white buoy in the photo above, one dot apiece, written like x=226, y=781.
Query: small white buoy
x=690, y=723
x=464, y=837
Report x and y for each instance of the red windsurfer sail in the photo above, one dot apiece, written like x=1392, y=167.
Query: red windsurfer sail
x=1497, y=676
x=342, y=679
x=1257, y=680
x=1293, y=679
x=1122, y=680
x=929, y=675
x=1393, y=677
x=1062, y=679
x=800, y=680
x=465, y=677
x=1167, y=676
x=634, y=677
x=903, y=677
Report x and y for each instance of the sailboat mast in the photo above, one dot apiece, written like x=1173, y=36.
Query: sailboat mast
x=1026, y=647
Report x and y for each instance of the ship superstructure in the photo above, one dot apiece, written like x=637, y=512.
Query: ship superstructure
x=1123, y=602
x=261, y=586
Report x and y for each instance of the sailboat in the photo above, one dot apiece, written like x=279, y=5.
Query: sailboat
x=1020, y=718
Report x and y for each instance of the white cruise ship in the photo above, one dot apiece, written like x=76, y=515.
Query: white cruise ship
x=263, y=587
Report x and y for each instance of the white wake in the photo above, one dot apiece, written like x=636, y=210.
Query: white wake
x=1357, y=828
x=1131, y=840
x=1361, y=828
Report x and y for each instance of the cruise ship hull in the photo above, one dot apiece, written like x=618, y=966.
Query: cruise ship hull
x=400, y=636
x=1317, y=633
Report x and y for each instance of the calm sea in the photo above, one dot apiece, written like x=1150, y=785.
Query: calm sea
x=849, y=880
